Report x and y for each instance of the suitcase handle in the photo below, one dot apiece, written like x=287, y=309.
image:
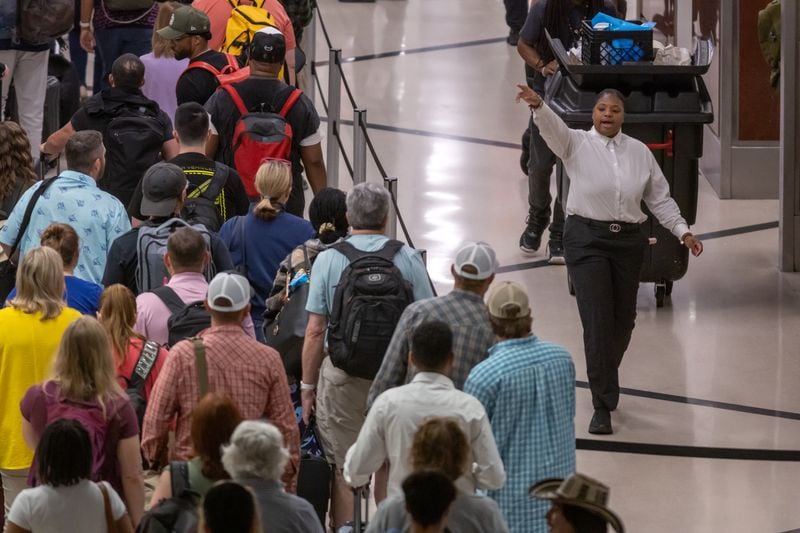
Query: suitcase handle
x=667, y=146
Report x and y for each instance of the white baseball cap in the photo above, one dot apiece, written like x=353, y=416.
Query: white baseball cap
x=478, y=255
x=231, y=287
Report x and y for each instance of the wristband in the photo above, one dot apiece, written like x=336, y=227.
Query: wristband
x=86, y=25
x=307, y=386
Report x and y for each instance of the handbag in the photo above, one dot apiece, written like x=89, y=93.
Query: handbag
x=111, y=524
x=287, y=330
x=8, y=268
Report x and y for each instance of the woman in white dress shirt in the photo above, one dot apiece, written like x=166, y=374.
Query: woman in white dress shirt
x=610, y=174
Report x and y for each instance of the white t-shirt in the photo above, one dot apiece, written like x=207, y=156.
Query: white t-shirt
x=47, y=509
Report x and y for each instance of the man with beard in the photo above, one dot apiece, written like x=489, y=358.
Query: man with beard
x=189, y=31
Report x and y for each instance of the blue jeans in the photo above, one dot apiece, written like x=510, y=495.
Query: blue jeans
x=113, y=42
x=80, y=57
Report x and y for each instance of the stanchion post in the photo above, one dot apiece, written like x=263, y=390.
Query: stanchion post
x=391, y=224
x=359, y=146
x=334, y=112
x=310, y=45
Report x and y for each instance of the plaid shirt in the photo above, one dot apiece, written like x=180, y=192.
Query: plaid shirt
x=528, y=389
x=464, y=312
x=248, y=372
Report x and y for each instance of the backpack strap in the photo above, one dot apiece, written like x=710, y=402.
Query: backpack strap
x=108, y=514
x=208, y=67
x=179, y=477
x=388, y=251
x=170, y=298
x=202, y=365
x=233, y=64
x=144, y=365
x=237, y=100
x=289, y=104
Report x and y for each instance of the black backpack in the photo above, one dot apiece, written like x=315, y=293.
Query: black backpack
x=369, y=299
x=133, y=140
x=135, y=390
x=177, y=514
x=187, y=319
x=200, y=206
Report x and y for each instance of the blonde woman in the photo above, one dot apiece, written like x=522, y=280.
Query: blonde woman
x=260, y=240
x=118, y=316
x=162, y=69
x=84, y=387
x=31, y=327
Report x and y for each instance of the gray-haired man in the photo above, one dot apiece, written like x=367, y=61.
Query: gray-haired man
x=341, y=399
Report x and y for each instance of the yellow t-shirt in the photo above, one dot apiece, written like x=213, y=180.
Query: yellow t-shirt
x=28, y=347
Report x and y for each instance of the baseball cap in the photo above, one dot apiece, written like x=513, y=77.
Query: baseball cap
x=478, y=255
x=268, y=46
x=162, y=185
x=508, y=300
x=232, y=287
x=186, y=20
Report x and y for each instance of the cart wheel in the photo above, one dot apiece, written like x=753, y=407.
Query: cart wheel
x=661, y=291
x=570, y=285
x=669, y=288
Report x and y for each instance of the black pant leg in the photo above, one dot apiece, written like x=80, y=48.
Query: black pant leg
x=540, y=168
x=590, y=269
x=626, y=268
x=516, y=13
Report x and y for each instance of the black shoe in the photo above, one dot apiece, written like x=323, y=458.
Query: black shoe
x=529, y=241
x=601, y=422
x=555, y=252
x=513, y=37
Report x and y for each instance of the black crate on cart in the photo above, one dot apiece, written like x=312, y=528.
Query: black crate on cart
x=666, y=107
x=604, y=47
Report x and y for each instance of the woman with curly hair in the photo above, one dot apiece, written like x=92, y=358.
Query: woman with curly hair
x=16, y=168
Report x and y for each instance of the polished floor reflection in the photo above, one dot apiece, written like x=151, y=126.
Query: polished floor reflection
x=713, y=374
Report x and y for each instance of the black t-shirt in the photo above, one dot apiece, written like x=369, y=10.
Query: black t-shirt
x=232, y=200
x=197, y=84
x=568, y=32
x=269, y=95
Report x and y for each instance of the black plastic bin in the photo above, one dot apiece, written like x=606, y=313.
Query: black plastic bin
x=666, y=107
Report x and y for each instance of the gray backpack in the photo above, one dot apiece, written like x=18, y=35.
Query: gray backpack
x=151, y=247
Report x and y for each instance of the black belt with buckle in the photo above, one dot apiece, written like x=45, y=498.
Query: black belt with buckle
x=613, y=226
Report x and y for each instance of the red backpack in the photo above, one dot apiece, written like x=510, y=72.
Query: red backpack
x=230, y=73
x=259, y=136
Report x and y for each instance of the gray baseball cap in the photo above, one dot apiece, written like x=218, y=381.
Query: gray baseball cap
x=162, y=186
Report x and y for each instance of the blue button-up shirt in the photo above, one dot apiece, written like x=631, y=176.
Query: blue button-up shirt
x=528, y=389
x=74, y=199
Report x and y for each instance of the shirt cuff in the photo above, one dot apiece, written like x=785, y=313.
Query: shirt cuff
x=680, y=229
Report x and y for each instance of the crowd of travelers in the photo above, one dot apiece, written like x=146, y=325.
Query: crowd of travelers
x=181, y=349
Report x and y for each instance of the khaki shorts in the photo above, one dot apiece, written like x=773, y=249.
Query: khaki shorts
x=341, y=404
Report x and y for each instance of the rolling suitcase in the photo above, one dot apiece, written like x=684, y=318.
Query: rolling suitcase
x=360, y=496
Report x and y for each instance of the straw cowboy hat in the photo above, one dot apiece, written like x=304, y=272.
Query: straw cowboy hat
x=580, y=491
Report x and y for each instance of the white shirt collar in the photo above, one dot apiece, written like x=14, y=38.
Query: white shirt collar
x=433, y=377
x=616, y=139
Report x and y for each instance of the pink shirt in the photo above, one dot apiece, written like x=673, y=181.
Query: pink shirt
x=219, y=11
x=152, y=314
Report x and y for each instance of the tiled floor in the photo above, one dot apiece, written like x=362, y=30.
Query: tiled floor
x=729, y=341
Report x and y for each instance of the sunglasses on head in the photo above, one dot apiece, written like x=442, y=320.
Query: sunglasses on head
x=278, y=160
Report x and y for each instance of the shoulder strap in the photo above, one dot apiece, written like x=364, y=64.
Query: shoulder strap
x=179, y=477
x=218, y=181
x=110, y=522
x=144, y=365
x=202, y=65
x=201, y=363
x=26, y=218
x=289, y=104
x=348, y=250
x=237, y=100
x=233, y=63
x=170, y=298
x=390, y=249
